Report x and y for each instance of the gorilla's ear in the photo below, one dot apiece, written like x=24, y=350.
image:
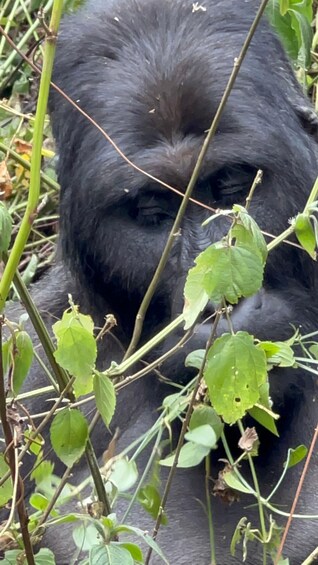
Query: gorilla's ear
x=308, y=119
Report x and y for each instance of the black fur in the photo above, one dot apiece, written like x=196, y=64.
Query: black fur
x=152, y=73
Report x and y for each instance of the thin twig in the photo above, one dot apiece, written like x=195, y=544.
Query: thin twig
x=298, y=491
x=183, y=431
x=194, y=177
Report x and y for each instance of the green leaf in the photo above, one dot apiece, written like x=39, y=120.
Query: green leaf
x=38, y=501
x=195, y=359
x=314, y=350
x=202, y=435
x=69, y=434
x=238, y=534
x=191, y=455
x=262, y=416
x=5, y=228
x=305, y=234
x=196, y=297
x=295, y=456
x=204, y=414
x=292, y=21
x=134, y=551
x=175, y=405
x=303, y=31
x=42, y=472
x=124, y=474
x=150, y=499
x=6, y=489
x=43, y=557
x=111, y=554
x=284, y=357
x=105, y=396
x=23, y=357
x=146, y=537
x=85, y=536
x=232, y=481
x=247, y=232
x=76, y=349
x=223, y=271
x=278, y=353
x=235, y=272
x=234, y=372
x=31, y=268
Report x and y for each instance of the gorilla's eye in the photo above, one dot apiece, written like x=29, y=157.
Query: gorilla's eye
x=154, y=208
x=230, y=184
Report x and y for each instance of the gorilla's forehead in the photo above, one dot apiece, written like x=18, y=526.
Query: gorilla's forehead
x=160, y=67
x=152, y=73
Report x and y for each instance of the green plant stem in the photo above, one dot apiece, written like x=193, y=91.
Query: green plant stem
x=3, y=10
x=30, y=31
x=258, y=496
x=96, y=474
x=14, y=469
x=41, y=330
x=34, y=191
x=184, y=428
x=146, y=470
x=62, y=379
x=209, y=508
x=253, y=492
x=129, y=361
x=9, y=21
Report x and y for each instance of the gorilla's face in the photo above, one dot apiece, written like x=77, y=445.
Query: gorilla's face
x=153, y=83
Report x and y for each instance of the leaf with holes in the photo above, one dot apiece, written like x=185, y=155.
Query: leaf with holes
x=234, y=371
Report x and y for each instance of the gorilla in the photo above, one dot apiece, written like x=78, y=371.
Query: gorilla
x=151, y=73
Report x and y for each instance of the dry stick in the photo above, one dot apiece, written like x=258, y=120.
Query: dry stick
x=298, y=491
x=177, y=223
x=22, y=512
x=145, y=303
x=181, y=437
